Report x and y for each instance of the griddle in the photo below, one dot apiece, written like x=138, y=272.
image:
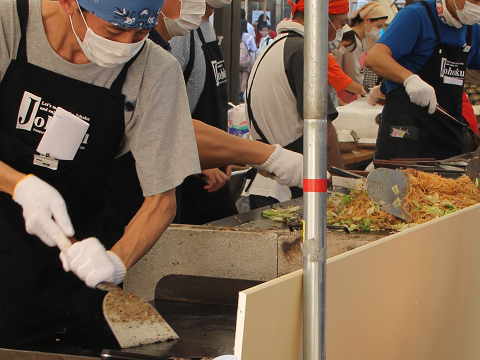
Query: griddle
x=201, y=310
x=254, y=219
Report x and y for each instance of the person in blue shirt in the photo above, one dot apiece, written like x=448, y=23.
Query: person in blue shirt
x=427, y=48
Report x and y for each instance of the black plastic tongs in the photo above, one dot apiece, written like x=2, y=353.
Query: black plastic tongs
x=475, y=137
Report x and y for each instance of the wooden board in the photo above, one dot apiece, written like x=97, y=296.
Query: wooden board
x=412, y=295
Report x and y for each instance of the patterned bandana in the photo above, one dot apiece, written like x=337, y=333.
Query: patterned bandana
x=133, y=14
x=445, y=16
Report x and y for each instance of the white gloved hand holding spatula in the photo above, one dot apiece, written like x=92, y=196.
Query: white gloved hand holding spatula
x=89, y=260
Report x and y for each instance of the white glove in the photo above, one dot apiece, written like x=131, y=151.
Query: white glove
x=285, y=166
x=89, y=260
x=41, y=202
x=421, y=93
x=374, y=95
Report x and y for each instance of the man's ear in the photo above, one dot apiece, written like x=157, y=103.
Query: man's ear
x=69, y=6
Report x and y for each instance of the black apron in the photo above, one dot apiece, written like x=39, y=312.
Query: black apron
x=296, y=145
x=195, y=205
x=37, y=296
x=407, y=130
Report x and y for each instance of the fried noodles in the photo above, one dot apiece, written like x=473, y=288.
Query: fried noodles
x=429, y=196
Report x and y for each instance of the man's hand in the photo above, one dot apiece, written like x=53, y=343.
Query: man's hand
x=285, y=166
x=421, y=93
x=374, y=95
x=44, y=210
x=216, y=179
x=89, y=260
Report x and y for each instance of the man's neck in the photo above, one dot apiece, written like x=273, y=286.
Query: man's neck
x=162, y=29
x=59, y=33
x=451, y=8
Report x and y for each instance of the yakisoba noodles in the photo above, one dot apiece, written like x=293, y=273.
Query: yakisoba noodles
x=429, y=196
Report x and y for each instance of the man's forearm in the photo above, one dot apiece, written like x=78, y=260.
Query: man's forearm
x=379, y=59
x=217, y=148
x=9, y=177
x=146, y=227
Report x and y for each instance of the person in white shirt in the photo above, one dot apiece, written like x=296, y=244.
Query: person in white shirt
x=266, y=39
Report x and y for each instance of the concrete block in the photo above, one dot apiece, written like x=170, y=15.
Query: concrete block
x=205, y=251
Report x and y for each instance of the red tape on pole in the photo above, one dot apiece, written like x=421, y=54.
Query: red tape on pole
x=314, y=185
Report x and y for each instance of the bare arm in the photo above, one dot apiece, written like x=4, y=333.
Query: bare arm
x=9, y=178
x=146, y=227
x=380, y=60
x=217, y=148
x=355, y=88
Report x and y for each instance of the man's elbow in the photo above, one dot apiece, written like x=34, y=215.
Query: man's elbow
x=166, y=205
x=171, y=208
x=370, y=61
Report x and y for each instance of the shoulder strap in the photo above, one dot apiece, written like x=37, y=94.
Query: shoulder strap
x=22, y=10
x=469, y=35
x=432, y=20
x=249, y=91
x=117, y=85
x=191, y=59
x=200, y=35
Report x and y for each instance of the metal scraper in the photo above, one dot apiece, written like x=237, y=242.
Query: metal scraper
x=132, y=320
x=388, y=188
x=473, y=168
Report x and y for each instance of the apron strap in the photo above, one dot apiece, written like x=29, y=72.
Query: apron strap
x=432, y=20
x=117, y=85
x=191, y=59
x=249, y=92
x=22, y=10
x=469, y=35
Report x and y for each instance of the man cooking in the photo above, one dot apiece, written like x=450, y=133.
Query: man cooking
x=427, y=49
x=92, y=59
x=274, y=101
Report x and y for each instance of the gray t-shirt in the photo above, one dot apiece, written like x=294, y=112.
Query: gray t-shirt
x=181, y=50
x=159, y=131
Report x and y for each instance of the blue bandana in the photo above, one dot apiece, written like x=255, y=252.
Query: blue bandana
x=134, y=14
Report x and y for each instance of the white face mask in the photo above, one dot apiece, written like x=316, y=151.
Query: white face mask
x=104, y=52
x=339, y=52
x=332, y=45
x=191, y=14
x=470, y=14
x=372, y=35
x=218, y=3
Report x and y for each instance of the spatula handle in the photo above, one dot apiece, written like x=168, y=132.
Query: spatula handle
x=66, y=243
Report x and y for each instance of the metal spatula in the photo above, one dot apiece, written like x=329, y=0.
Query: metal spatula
x=388, y=188
x=473, y=168
x=132, y=320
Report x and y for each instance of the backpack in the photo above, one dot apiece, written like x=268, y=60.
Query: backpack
x=244, y=55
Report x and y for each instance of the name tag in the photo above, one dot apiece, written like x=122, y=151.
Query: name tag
x=45, y=161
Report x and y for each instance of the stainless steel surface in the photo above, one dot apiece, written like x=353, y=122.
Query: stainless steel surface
x=380, y=184
x=254, y=219
x=315, y=168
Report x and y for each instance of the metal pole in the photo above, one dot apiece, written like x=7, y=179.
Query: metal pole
x=315, y=183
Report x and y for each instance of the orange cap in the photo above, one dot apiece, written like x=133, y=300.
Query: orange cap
x=337, y=7
x=299, y=6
